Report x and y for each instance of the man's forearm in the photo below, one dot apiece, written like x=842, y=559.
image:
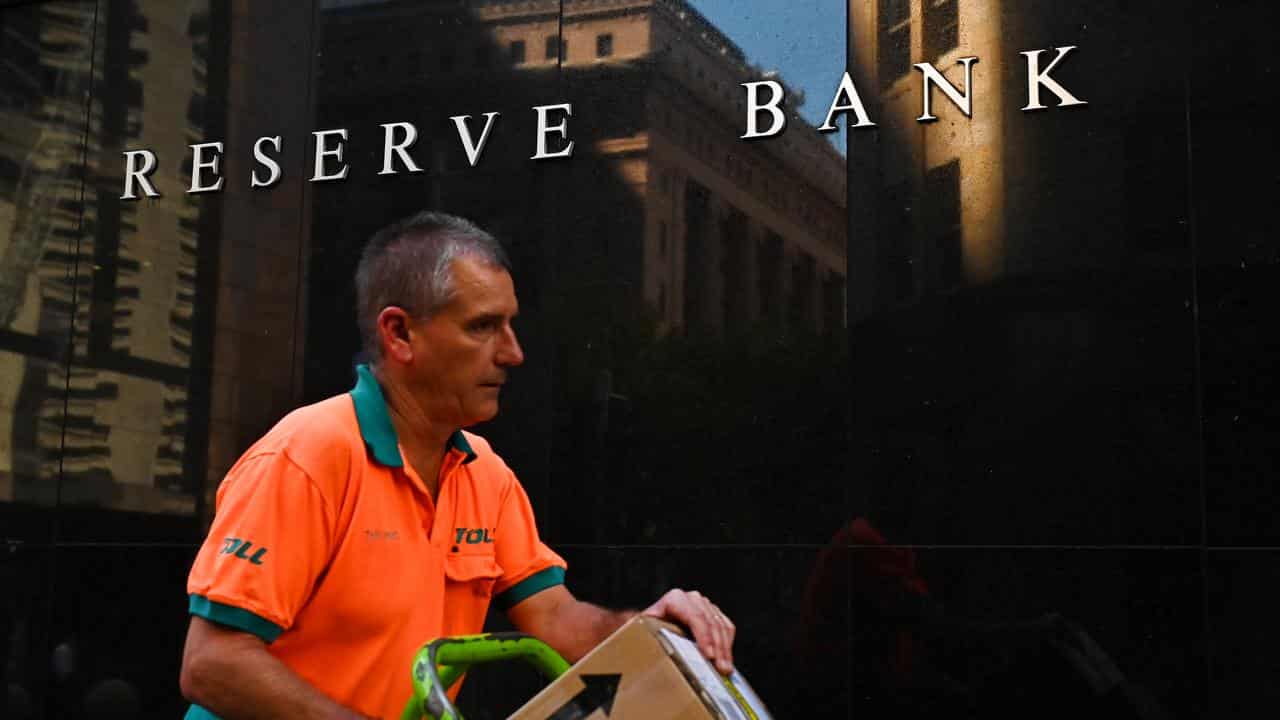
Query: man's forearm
x=235, y=679
x=580, y=626
x=262, y=687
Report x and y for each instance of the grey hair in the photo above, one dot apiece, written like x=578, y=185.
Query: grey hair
x=408, y=264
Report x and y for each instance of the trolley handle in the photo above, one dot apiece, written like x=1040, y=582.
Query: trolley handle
x=440, y=663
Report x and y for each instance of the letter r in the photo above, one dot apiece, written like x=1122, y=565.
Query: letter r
x=133, y=173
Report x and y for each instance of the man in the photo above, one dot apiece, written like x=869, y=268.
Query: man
x=362, y=526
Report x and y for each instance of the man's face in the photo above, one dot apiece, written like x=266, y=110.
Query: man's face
x=461, y=355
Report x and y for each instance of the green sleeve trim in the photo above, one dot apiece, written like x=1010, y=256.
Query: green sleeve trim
x=195, y=712
x=235, y=617
x=530, y=586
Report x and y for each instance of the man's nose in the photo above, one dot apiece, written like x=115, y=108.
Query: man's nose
x=509, y=352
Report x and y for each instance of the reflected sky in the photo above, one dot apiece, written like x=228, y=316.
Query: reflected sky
x=804, y=40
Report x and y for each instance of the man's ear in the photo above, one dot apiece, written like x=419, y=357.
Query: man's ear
x=393, y=333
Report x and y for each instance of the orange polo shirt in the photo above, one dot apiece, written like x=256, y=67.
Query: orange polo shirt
x=326, y=544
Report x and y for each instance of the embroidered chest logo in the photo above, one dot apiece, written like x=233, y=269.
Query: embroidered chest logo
x=241, y=549
x=474, y=536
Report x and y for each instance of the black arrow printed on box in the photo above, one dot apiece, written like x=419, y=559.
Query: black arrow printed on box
x=597, y=694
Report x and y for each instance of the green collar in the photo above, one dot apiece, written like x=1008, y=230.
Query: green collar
x=375, y=422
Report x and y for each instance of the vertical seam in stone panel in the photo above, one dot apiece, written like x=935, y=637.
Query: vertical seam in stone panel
x=847, y=329
x=1198, y=380
x=75, y=277
x=548, y=517
x=208, y=282
x=304, y=244
x=52, y=573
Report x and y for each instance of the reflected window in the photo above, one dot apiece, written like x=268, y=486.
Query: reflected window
x=516, y=52
x=941, y=27
x=22, y=88
x=733, y=268
x=604, y=45
x=893, y=245
x=894, y=40
x=833, y=303
x=557, y=48
x=770, y=257
x=802, y=273
x=942, y=192
x=10, y=171
x=697, y=222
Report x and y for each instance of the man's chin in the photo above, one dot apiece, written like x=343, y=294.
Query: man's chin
x=484, y=413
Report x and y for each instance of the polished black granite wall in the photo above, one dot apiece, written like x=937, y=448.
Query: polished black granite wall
x=1043, y=489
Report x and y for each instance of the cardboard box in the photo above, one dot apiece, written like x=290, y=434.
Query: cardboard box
x=647, y=670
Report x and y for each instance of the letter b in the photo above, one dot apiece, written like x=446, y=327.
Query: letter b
x=754, y=107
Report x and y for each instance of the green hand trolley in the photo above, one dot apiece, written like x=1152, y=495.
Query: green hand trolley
x=440, y=663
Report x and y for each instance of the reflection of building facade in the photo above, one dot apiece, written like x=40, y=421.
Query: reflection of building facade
x=922, y=249
x=706, y=230
x=730, y=232
x=962, y=200
x=39, y=145
x=1021, y=267
x=132, y=297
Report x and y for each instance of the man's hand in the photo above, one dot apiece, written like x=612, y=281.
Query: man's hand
x=573, y=627
x=711, y=628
